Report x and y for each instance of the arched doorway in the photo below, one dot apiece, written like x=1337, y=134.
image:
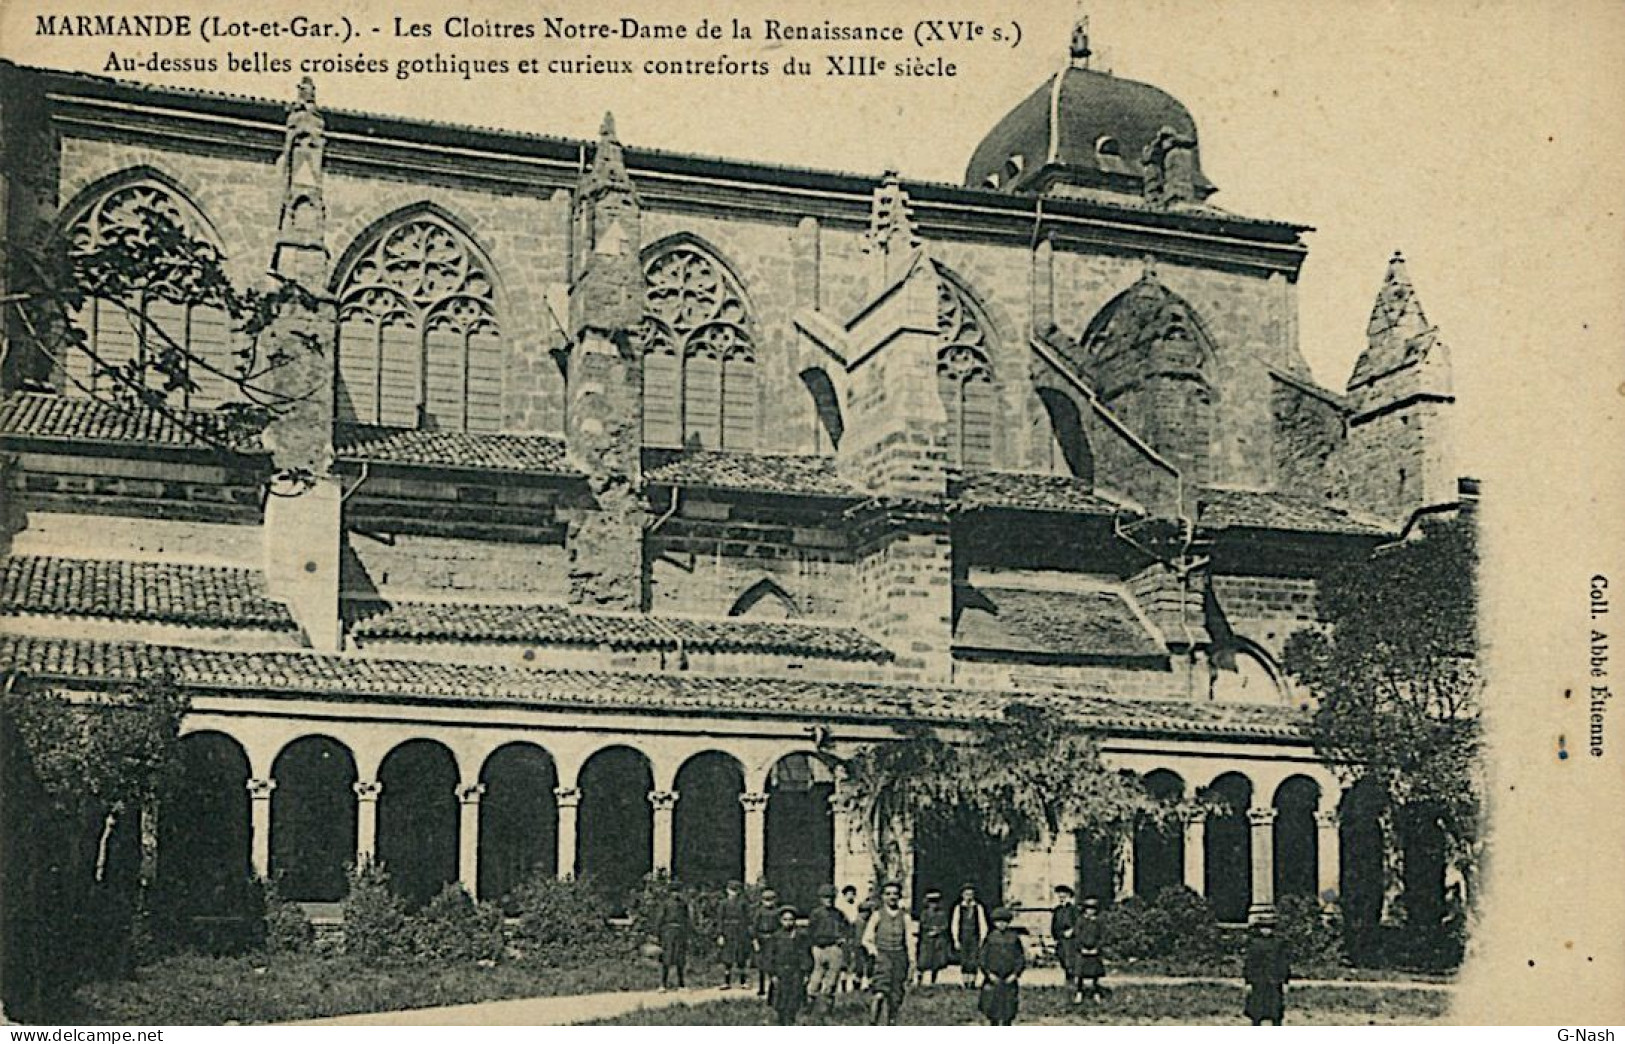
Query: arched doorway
x=519, y=818
x=1159, y=848
x=1096, y=854
x=1228, y=880
x=418, y=819
x=800, y=843
x=204, y=839
x=1359, y=845
x=313, y=820
x=709, y=848
x=615, y=845
x=1297, y=846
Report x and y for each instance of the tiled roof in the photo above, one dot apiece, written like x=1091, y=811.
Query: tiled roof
x=559, y=625
x=1249, y=509
x=1060, y=623
x=716, y=469
x=296, y=675
x=1029, y=492
x=205, y=596
x=46, y=415
x=536, y=454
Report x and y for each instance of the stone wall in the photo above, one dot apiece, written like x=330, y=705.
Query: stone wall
x=709, y=584
x=904, y=595
x=427, y=568
x=1266, y=609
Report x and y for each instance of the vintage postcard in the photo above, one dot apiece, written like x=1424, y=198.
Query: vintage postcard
x=830, y=514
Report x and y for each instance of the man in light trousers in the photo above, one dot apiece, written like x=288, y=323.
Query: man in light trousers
x=829, y=929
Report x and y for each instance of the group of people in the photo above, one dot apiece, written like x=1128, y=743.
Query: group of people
x=848, y=947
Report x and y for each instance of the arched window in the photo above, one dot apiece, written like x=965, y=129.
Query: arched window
x=163, y=317
x=699, y=355
x=964, y=379
x=419, y=342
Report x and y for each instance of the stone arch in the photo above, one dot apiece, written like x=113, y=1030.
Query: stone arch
x=313, y=819
x=1252, y=676
x=140, y=328
x=765, y=599
x=204, y=833
x=829, y=426
x=419, y=818
x=1228, y=864
x=708, y=824
x=421, y=312
x=965, y=375
x=615, y=826
x=800, y=839
x=519, y=818
x=700, y=341
x=1067, y=435
x=1159, y=849
x=1296, y=839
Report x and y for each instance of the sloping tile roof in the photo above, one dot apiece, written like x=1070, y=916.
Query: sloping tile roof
x=204, y=596
x=559, y=625
x=1249, y=509
x=46, y=415
x=809, y=476
x=1029, y=492
x=1060, y=623
x=297, y=675
x=535, y=454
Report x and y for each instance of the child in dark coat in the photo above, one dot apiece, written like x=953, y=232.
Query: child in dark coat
x=674, y=923
x=787, y=960
x=1003, y=961
x=935, y=945
x=734, y=934
x=1267, y=972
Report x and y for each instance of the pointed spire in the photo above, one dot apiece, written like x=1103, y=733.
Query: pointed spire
x=1398, y=333
x=608, y=170
x=301, y=251
x=891, y=217
x=1396, y=307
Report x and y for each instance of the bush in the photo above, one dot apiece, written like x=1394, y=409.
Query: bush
x=1174, y=923
x=286, y=928
x=560, y=922
x=454, y=928
x=374, y=916
x=1313, y=937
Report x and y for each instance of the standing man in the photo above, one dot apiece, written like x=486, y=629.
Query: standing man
x=1091, y=963
x=1063, y=928
x=733, y=934
x=969, y=928
x=1003, y=961
x=889, y=939
x=829, y=930
x=1267, y=972
x=764, y=925
x=786, y=958
x=674, y=924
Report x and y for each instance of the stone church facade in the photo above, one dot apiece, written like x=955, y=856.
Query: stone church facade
x=646, y=488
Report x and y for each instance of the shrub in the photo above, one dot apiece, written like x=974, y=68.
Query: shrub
x=454, y=928
x=1313, y=937
x=286, y=928
x=374, y=916
x=1173, y=923
x=559, y=922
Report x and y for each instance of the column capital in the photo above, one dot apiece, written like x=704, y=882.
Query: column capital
x=1194, y=817
x=755, y=802
x=367, y=789
x=1260, y=817
x=470, y=793
x=260, y=789
x=1327, y=820
x=567, y=797
x=663, y=800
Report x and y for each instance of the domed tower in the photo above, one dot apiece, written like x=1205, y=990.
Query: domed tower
x=1086, y=131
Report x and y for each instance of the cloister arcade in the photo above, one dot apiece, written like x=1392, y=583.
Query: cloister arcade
x=302, y=800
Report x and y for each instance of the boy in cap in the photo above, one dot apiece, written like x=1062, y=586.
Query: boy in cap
x=1267, y=972
x=786, y=959
x=733, y=934
x=674, y=922
x=764, y=923
x=935, y=945
x=828, y=930
x=889, y=939
x=1091, y=966
x=1063, y=928
x=1003, y=961
x=969, y=928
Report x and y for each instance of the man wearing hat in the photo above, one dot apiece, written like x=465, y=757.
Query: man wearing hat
x=786, y=959
x=969, y=928
x=1091, y=965
x=733, y=934
x=1063, y=928
x=674, y=922
x=936, y=946
x=828, y=930
x=764, y=924
x=889, y=939
x=1267, y=972
x=1003, y=961
x=852, y=955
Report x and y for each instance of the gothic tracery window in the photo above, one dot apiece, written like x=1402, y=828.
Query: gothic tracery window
x=699, y=356
x=964, y=379
x=123, y=336
x=419, y=341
